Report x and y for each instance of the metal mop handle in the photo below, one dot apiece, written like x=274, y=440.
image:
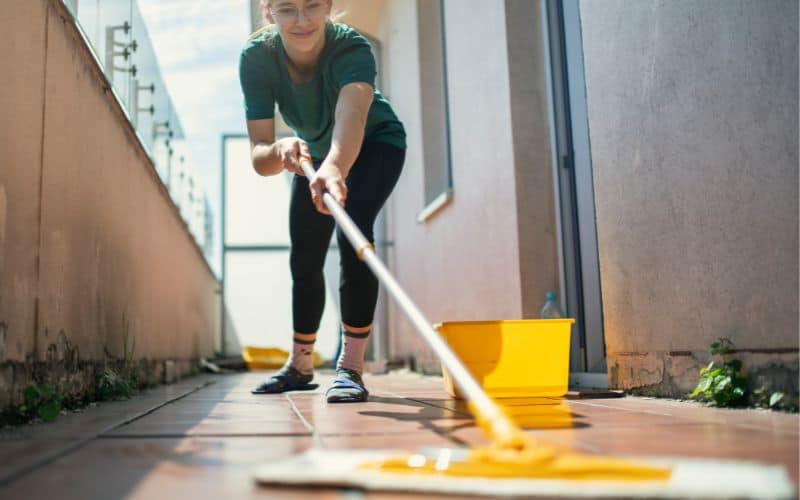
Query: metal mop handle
x=489, y=415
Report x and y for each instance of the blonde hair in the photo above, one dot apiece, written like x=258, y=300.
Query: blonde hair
x=335, y=16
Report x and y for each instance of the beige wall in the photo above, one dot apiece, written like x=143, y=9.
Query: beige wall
x=693, y=123
x=692, y=179
x=21, y=126
x=90, y=242
x=469, y=261
x=364, y=14
x=530, y=114
x=694, y=149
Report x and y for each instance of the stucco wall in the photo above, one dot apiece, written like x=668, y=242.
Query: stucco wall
x=365, y=15
x=467, y=262
x=92, y=250
x=693, y=125
x=533, y=163
x=21, y=126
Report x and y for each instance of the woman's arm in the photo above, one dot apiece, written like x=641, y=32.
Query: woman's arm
x=352, y=108
x=270, y=157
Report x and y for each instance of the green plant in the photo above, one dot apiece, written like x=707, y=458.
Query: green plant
x=118, y=377
x=112, y=385
x=43, y=401
x=762, y=399
x=119, y=381
x=777, y=400
x=722, y=385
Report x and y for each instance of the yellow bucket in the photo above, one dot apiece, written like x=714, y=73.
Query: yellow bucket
x=270, y=358
x=511, y=358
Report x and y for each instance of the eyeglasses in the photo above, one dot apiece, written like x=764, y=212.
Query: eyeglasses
x=313, y=11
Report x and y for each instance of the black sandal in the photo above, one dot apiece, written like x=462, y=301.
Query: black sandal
x=286, y=379
x=347, y=388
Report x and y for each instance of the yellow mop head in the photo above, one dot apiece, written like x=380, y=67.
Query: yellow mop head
x=689, y=478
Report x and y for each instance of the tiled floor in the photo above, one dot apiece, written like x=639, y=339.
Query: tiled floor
x=202, y=437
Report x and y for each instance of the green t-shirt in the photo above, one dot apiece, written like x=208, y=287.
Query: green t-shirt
x=309, y=108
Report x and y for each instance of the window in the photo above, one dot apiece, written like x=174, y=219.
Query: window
x=435, y=117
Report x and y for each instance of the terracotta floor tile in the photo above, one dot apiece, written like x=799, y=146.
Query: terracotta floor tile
x=203, y=415
x=254, y=426
x=161, y=468
x=692, y=412
x=413, y=496
x=27, y=445
x=164, y=453
x=472, y=436
x=408, y=442
x=263, y=422
x=17, y=456
x=689, y=440
x=615, y=418
x=380, y=414
x=528, y=413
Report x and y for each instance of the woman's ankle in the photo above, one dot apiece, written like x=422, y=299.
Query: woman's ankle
x=354, y=345
x=302, y=357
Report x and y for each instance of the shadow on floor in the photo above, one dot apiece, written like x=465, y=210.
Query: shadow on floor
x=528, y=413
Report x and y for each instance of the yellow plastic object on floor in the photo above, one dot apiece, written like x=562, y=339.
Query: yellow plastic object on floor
x=511, y=358
x=270, y=358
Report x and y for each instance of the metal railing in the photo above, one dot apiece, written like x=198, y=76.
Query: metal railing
x=117, y=35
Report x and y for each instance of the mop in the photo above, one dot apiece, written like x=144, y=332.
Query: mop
x=513, y=464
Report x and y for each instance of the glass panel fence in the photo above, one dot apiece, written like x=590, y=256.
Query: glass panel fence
x=117, y=34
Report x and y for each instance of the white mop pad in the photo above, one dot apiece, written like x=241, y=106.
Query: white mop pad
x=691, y=478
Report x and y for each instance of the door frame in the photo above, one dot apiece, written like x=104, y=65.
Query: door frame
x=579, y=267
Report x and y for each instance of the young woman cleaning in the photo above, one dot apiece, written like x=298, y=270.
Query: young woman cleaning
x=321, y=75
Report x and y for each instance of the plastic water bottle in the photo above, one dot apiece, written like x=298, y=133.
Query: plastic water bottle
x=551, y=310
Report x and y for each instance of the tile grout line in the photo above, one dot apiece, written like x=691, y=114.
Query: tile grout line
x=687, y=419
x=687, y=422
x=442, y=406
x=205, y=384
x=621, y=409
x=426, y=403
x=754, y=427
x=5, y=481
x=318, y=443
x=250, y=435
x=580, y=445
x=447, y=435
x=534, y=432
x=178, y=435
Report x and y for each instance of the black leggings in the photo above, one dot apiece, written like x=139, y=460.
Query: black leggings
x=369, y=183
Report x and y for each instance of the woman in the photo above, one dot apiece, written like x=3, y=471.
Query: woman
x=321, y=75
